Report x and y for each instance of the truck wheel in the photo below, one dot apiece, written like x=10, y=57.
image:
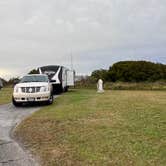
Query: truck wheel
x=51, y=100
x=16, y=104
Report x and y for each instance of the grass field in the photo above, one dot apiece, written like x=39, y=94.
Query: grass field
x=158, y=85
x=5, y=95
x=85, y=128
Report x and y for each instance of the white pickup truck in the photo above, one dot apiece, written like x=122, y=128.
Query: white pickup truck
x=33, y=88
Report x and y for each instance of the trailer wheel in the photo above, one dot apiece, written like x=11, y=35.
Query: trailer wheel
x=66, y=88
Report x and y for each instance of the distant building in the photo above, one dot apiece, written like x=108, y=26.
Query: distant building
x=1, y=84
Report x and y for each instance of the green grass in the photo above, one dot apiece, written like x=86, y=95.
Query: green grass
x=5, y=95
x=86, y=128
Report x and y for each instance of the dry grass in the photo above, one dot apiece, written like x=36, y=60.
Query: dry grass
x=159, y=85
x=86, y=128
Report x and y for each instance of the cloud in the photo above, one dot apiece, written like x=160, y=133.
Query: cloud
x=38, y=32
x=7, y=73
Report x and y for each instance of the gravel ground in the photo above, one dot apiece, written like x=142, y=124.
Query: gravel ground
x=11, y=154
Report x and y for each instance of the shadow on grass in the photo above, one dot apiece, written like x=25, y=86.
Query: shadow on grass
x=72, y=90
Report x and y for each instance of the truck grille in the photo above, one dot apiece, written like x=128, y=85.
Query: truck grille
x=30, y=89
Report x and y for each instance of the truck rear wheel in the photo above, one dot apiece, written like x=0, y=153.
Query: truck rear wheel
x=57, y=89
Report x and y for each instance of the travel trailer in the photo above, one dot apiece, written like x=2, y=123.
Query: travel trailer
x=60, y=77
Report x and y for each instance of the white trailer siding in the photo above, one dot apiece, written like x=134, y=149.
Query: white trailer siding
x=70, y=78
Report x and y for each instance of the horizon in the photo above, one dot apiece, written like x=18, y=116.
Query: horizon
x=77, y=74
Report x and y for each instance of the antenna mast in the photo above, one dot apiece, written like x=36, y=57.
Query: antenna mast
x=71, y=58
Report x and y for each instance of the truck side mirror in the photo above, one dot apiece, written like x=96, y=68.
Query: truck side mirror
x=52, y=81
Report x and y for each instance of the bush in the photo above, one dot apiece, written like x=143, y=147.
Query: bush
x=132, y=71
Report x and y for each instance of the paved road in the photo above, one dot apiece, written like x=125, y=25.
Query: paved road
x=11, y=154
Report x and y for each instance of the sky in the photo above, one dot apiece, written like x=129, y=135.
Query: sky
x=97, y=33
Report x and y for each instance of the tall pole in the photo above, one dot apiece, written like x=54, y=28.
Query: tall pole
x=71, y=56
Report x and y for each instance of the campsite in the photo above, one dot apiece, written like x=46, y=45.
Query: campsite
x=83, y=83
x=123, y=125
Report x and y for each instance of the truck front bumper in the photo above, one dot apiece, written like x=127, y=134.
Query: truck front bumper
x=31, y=97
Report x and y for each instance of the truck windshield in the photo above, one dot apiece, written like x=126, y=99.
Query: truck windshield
x=34, y=79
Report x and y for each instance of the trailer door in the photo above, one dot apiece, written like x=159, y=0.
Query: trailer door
x=70, y=78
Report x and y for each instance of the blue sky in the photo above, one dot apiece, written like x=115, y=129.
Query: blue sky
x=99, y=33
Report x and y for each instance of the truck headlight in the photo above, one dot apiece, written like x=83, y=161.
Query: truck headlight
x=17, y=89
x=44, y=89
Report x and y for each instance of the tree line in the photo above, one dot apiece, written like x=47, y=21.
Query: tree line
x=10, y=81
x=131, y=71
x=124, y=71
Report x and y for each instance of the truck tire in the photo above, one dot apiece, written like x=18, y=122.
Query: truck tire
x=16, y=104
x=51, y=100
